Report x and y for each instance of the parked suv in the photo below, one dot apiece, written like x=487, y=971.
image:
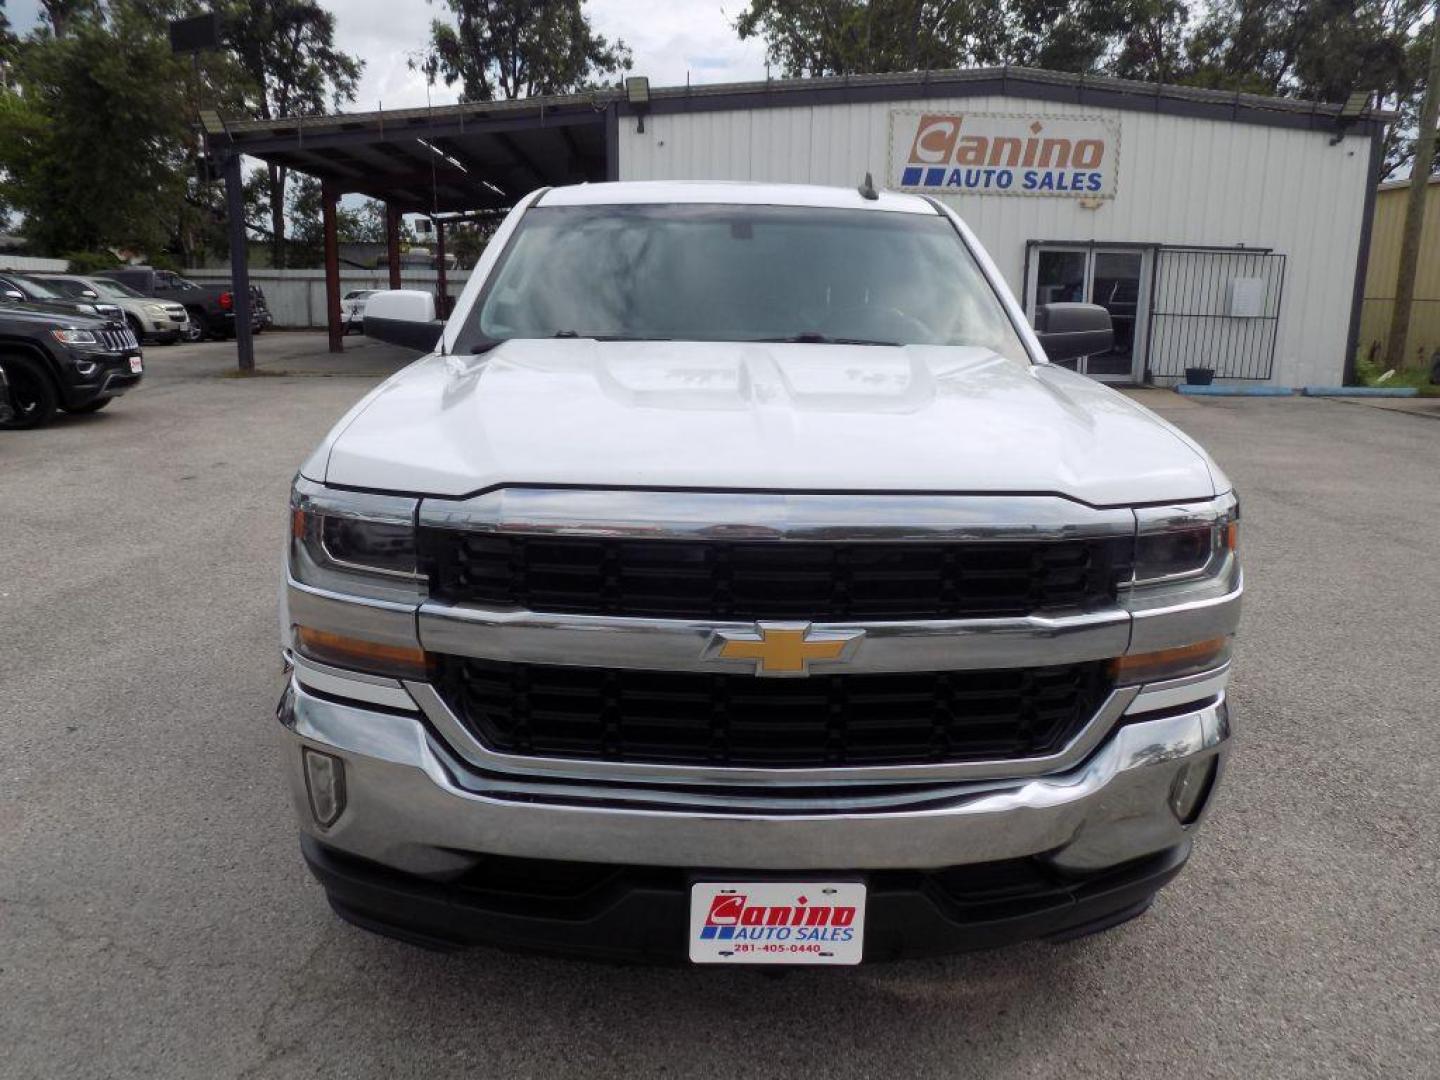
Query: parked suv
x=211, y=307
x=739, y=580
x=56, y=359
x=18, y=287
x=148, y=319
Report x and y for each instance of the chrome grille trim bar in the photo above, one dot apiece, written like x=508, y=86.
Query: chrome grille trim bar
x=729, y=516
x=682, y=645
x=476, y=753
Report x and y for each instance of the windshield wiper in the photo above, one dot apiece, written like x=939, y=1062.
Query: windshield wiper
x=813, y=337
x=607, y=337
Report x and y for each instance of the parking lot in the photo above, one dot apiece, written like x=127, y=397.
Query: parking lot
x=156, y=919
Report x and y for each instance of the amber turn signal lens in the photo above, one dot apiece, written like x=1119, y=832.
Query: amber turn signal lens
x=1232, y=535
x=401, y=661
x=1170, y=663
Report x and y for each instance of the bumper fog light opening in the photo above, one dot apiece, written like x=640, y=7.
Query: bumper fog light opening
x=325, y=784
x=1191, y=790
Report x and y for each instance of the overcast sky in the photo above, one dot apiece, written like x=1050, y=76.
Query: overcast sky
x=668, y=37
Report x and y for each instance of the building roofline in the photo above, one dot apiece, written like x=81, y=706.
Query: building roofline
x=1034, y=83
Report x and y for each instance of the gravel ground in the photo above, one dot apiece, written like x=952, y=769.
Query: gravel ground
x=156, y=920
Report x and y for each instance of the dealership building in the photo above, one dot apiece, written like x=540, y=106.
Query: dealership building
x=1222, y=231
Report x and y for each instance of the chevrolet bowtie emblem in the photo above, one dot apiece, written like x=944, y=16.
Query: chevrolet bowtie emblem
x=783, y=648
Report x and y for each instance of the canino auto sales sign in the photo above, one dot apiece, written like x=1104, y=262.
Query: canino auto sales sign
x=990, y=154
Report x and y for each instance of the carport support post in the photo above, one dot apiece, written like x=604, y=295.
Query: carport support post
x=392, y=243
x=239, y=262
x=441, y=285
x=329, y=197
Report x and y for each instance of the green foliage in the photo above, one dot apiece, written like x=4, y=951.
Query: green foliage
x=519, y=48
x=1368, y=372
x=305, y=245
x=96, y=134
x=94, y=143
x=287, y=51
x=90, y=262
x=1315, y=49
x=1141, y=38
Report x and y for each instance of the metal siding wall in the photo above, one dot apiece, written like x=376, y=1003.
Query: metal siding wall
x=296, y=298
x=1181, y=181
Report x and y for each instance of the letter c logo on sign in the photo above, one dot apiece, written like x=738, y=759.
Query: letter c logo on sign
x=935, y=139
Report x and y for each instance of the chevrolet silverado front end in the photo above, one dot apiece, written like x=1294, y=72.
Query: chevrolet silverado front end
x=739, y=581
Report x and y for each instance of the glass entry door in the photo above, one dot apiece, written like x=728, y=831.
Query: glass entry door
x=1118, y=279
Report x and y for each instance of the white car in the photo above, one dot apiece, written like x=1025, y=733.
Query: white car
x=737, y=580
x=352, y=309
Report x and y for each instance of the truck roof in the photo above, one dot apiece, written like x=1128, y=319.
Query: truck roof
x=740, y=193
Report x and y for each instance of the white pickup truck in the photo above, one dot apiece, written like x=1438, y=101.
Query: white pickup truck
x=738, y=581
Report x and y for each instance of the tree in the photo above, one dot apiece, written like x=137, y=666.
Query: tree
x=287, y=48
x=95, y=141
x=1415, y=213
x=1142, y=38
x=62, y=15
x=1315, y=49
x=519, y=48
x=7, y=45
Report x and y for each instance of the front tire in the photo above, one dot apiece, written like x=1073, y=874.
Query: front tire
x=32, y=394
x=136, y=328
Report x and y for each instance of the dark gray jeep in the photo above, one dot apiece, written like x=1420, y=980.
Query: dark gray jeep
x=55, y=358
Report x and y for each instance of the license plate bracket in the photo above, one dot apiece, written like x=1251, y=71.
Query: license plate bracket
x=777, y=922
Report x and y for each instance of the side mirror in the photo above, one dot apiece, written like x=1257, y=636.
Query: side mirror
x=11, y=294
x=404, y=317
x=1070, y=330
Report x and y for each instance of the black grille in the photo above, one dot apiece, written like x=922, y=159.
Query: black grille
x=820, y=582
x=118, y=340
x=826, y=720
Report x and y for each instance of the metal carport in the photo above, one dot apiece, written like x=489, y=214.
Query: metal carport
x=445, y=162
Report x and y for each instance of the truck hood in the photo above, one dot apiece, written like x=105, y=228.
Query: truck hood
x=757, y=416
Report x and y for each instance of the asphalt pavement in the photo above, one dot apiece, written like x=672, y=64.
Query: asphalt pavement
x=156, y=920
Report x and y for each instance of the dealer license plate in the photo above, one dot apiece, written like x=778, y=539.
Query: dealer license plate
x=136, y=365
x=777, y=922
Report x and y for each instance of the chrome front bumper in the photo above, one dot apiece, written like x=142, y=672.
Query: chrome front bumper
x=413, y=805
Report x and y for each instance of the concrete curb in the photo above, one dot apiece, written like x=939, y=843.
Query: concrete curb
x=1360, y=391
x=1233, y=391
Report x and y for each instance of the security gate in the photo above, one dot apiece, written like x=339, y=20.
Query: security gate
x=1216, y=308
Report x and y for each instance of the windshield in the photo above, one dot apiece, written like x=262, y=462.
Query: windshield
x=68, y=287
x=740, y=273
x=41, y=292
x=113, y=290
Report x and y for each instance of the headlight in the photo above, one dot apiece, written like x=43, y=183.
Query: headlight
x=354, y=542
x=1187, y=542
x=157, y=310
x=351, y=558
x=1187, y=579
x=74, y=337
